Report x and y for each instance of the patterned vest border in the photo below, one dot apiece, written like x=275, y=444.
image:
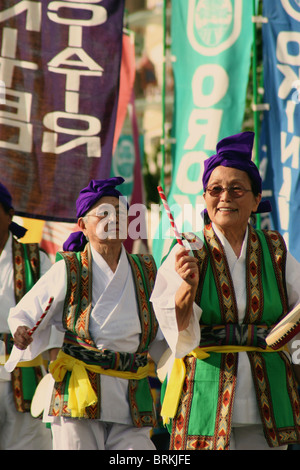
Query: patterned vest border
x=26, y=259
x=212, y=255
x=76, y=316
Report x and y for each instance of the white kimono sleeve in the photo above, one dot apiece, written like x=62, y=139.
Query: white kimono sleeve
x=292, y=284
x=163, y=300
x=30, y=308
x=56, y=337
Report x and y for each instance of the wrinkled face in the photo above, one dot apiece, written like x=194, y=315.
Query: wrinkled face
x=107, y=220
x=230, y=209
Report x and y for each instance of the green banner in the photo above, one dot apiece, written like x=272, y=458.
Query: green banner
x=123, y=163
x=211, y=44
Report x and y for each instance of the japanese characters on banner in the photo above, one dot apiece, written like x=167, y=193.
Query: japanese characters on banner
x=60, y=68
x=280, y=138
x=211, y=42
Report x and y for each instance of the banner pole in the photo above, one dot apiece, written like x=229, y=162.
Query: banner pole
x=163, y=100
x=255, y=110
x=254, y=66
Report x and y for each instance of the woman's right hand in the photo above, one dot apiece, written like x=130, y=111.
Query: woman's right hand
x=187, y=267
x=22, y=338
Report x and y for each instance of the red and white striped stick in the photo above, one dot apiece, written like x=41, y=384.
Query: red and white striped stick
x=42, y=316
x=171, y=218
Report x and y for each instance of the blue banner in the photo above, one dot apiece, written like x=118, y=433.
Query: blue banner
x=280, y=137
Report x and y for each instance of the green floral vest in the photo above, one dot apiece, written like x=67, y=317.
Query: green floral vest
x=204, y=415
x=77, y=340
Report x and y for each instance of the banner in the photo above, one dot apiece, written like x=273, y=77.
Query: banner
x=137, y=230
x=54, y=235
x=280, y=138
x=34, y=228
x=211, y=42
x=49, y=235
x=127, y=162
x=127, y=77
x=60, y=68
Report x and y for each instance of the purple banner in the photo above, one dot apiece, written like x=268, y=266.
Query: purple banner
x=59, y=77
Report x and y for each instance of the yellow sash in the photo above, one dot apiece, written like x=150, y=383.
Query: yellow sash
x=176, y=379
x=81, y=393
x=38, y=361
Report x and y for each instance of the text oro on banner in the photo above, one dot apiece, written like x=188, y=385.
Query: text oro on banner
x=211, y=42
x=280, y=137
x=59, y=69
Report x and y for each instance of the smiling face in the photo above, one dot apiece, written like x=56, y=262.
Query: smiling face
x=227, y=212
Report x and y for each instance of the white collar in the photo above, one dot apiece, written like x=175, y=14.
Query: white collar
x=227, y=247
x=102, y=264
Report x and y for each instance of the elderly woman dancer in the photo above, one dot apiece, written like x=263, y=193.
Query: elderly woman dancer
x=215, y=305
x=100, y=397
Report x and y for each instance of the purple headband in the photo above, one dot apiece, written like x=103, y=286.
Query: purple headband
x=236, y=152
x=88, y=196
x=95, y=190
x=6, y=201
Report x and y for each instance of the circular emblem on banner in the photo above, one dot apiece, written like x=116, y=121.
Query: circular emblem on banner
x=213, y=25
x=292, y=7
x=213, y=21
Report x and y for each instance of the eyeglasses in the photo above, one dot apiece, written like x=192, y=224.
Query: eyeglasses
x=104, y=213
x=233, y=191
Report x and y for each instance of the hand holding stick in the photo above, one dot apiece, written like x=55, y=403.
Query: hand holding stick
x=169, y=213
x=42, y=316
x=22, y=336
x=171, y=218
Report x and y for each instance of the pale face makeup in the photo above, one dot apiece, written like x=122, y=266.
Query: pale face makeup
x=112, y=221
x=107, y=220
